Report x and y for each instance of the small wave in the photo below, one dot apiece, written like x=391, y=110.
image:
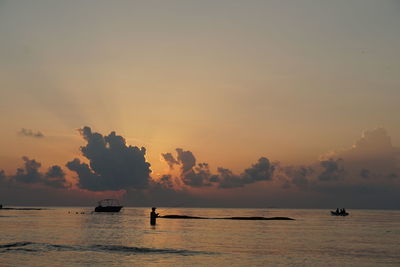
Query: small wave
x=45, y=247
x=15, y=244
x=142, y=250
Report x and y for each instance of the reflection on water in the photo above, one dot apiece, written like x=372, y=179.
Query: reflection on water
x=64, y=236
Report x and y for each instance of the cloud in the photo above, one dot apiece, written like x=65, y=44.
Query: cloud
x=191, y=174
x=55, y=177
x=30, y=133
x=113, y=165
x=200, y=175
x=262, y=170
x=332, y=170
x=2, y=176
x=186, y=159
x=166, y=181
x=30, y=174
x=371, y=161
x=87, y=179
x=372, y=156
x=297, y=175
x=169, y=158
x=366, y=175
x=227, y=179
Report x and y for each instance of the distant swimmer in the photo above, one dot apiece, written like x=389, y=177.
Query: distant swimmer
x=153, y=216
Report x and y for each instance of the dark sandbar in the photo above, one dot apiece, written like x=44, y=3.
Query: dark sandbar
x=228, y=218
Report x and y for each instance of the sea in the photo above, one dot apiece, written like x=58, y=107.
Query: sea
x=76, y=236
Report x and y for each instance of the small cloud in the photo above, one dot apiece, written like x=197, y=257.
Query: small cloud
x=169, y=158
x=30, y=133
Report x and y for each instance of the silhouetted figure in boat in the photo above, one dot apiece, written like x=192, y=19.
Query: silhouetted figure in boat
x=340, y=212
x=153, y=216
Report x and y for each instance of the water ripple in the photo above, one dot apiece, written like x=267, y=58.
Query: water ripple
x=45, y=247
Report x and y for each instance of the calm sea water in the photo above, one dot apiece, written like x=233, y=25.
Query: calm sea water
x=60, y=237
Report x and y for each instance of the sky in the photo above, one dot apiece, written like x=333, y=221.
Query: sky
x=200, y=103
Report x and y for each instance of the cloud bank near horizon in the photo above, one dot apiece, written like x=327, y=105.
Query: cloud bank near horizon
x=368, y=173
x=199, y=175
x=30, y=174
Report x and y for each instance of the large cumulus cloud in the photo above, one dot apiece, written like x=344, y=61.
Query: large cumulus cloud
x=372, y=156
x=369, y=167
x=113, y=165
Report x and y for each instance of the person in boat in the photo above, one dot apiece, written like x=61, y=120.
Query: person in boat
x=343, y=211
x=337, y=210
x=153, y=216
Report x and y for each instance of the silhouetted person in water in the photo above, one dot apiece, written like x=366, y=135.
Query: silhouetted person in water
x=337, y=210
x=153, y=216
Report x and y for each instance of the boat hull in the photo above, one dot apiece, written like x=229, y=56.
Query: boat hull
x=108, y=209
x=333, y=213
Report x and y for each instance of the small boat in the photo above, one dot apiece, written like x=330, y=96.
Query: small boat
x=108, y=205
x=334, y=213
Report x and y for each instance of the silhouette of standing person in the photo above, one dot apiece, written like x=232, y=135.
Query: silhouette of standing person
x=153, y=216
